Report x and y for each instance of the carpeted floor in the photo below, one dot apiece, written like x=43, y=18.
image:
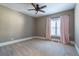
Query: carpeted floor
x=38, y=47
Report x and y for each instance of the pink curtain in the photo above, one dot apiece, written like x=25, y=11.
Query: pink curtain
x=48, y=36
x=64, y=29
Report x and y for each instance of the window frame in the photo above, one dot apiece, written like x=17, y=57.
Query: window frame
x=56, y=27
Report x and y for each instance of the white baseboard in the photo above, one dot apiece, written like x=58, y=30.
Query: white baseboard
x=77, y=49
x=39, y=37
x=15, y=41
x=19, y=40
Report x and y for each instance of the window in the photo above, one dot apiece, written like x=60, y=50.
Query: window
x=55, y=26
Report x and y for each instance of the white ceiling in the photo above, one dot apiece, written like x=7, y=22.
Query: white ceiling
x=50, y=9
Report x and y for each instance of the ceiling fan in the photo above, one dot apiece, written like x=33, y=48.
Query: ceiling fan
x=37, y=8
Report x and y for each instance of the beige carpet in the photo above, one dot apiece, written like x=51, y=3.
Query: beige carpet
x=38, y=47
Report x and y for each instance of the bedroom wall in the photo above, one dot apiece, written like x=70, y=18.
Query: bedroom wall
x=14, y=25
x=77, y=25
x=40, y=26
x=41, y=21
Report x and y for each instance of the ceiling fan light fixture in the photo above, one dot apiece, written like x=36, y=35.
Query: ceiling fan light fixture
x=37, y=8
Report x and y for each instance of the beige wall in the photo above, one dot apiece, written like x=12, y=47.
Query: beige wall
x=14, y=25
x=77, y=25
x=40, y=26
x=41, y=21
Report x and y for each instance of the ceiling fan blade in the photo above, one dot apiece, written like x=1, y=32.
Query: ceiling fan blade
x=30, y=9
x=43, y=7
x=42, y=11
x=33, y=5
